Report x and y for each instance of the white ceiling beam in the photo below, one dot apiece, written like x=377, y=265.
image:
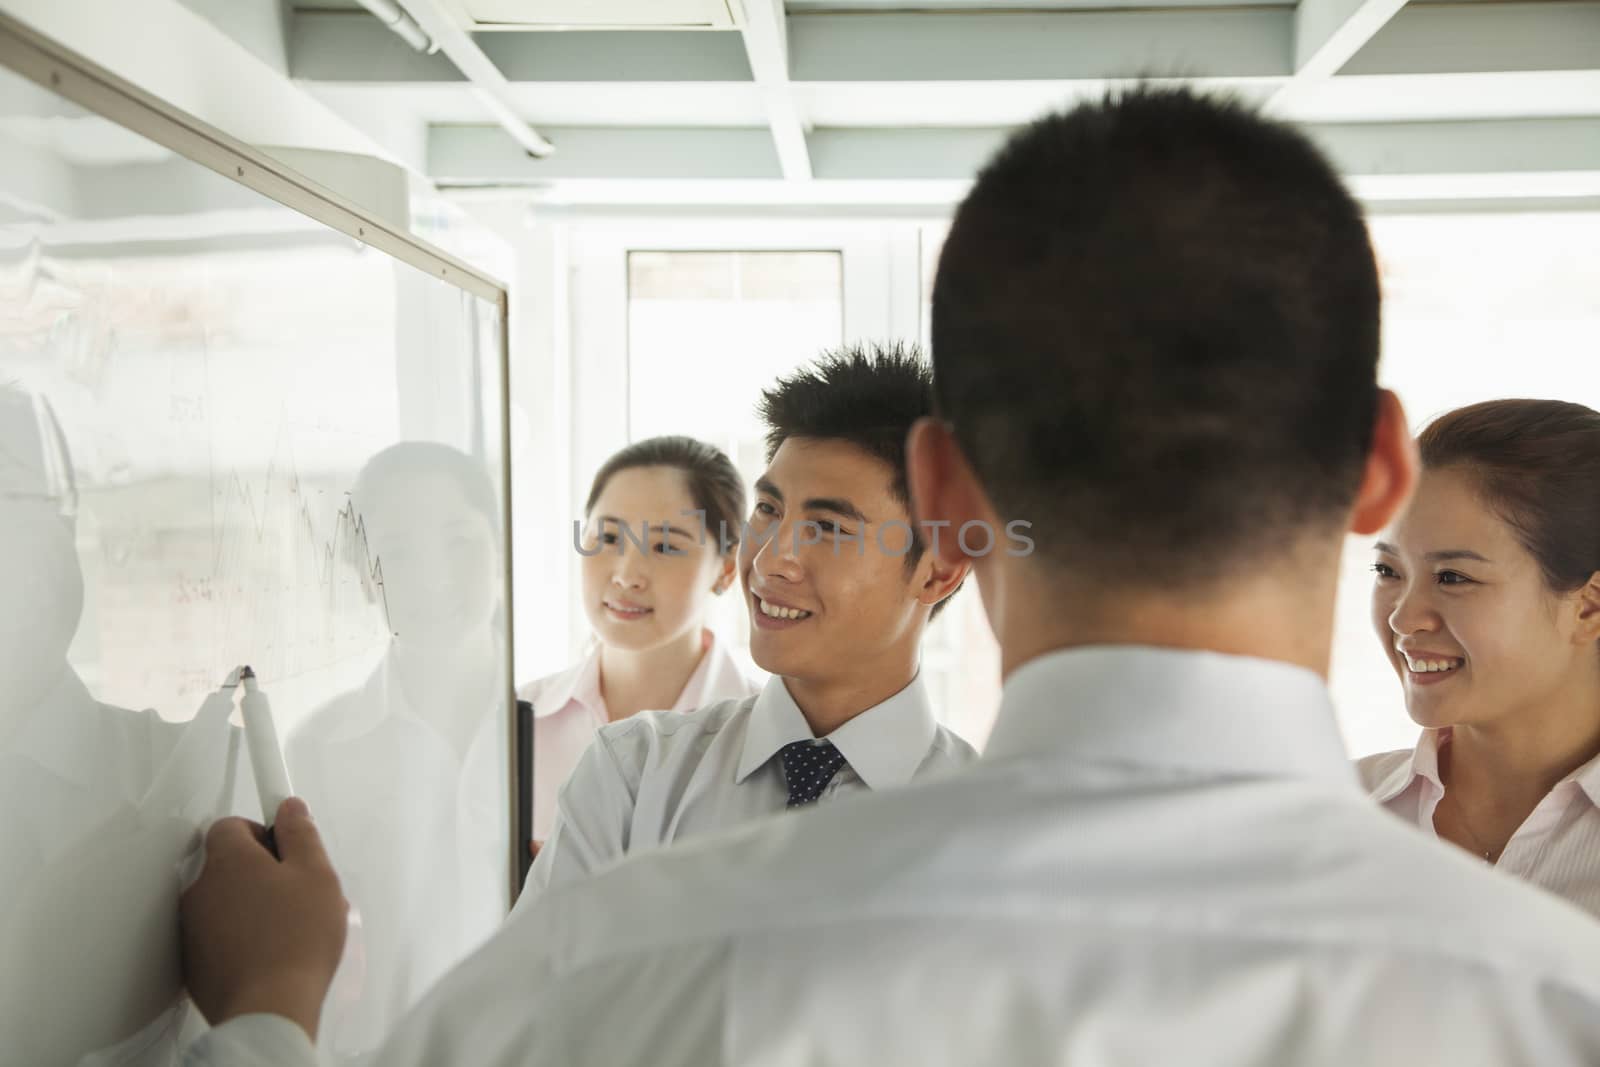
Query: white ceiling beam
x=488, y=84
x=766, y=46
x=1448, y=97
x=1568, y=147
x=928, y=201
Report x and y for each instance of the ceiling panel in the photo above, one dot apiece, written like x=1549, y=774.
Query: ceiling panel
x=890, y=96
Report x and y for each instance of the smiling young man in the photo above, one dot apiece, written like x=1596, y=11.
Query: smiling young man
x=839, y=594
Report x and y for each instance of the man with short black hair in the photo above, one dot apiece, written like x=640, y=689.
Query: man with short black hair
x=839, y=593
x=1156, y=328
x=1163, y=856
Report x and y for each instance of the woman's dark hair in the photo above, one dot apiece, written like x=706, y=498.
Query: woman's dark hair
x=1536, y=463
x=714, y=482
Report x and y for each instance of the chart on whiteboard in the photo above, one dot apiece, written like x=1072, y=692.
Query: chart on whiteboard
x=215, y=411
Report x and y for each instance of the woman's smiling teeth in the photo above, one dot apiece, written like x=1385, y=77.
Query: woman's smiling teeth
x=776, y=612
x=1432, y=666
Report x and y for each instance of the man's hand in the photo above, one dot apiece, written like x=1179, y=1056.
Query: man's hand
x=534, y=847
x=262, y=934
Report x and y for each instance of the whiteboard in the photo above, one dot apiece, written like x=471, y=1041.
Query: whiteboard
x=232, y=434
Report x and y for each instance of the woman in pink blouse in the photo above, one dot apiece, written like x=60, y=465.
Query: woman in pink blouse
x=1487, y=602
x=646, y=593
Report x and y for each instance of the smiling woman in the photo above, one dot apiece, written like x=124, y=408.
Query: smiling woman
x=1486, y=599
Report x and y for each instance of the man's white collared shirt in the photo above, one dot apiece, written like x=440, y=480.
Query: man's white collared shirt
x=1163, y=857
x=660, y=777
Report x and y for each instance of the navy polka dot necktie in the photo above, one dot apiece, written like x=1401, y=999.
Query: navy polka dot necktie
x=808, y=767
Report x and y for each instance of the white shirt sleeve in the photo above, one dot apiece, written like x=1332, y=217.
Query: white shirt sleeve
x=593, y=817
x=253, y=1041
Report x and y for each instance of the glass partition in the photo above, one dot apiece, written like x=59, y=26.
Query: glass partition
x=233, y=434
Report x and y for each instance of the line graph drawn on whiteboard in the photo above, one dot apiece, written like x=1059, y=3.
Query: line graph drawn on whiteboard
x=293, y=582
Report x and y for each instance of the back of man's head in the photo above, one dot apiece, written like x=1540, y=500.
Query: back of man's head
x=1155, y=334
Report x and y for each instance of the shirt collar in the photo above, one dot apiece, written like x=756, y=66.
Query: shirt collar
x=716, y=673
x=1177, y=709
x=579, y=682
x=884, y=745
x=1588, y=779
x=1424, y=764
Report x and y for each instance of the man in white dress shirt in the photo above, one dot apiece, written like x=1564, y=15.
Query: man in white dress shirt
x=839, y=595
x=1155, y=336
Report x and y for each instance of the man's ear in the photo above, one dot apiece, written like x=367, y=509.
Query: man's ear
x=944, y=490
x=1391, y=469
x=943, y=577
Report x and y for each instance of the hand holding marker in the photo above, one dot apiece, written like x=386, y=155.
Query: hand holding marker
x=266, y=757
